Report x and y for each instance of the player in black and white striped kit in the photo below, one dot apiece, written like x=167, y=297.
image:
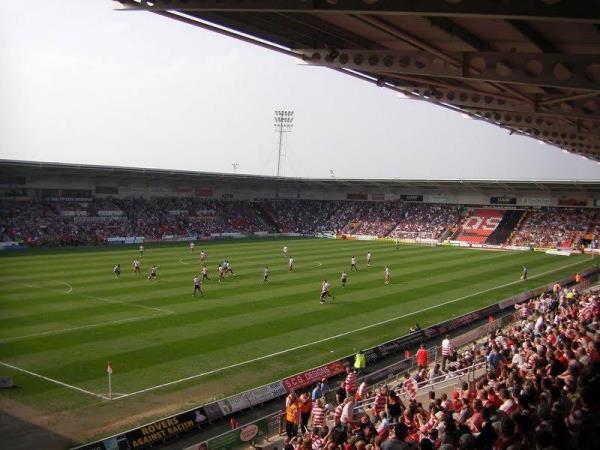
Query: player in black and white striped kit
x=197, y=286
x=117, y=270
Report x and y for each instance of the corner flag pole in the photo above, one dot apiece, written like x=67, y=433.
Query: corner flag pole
x=109, y=370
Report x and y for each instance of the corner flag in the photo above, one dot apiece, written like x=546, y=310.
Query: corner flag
x=109, y=371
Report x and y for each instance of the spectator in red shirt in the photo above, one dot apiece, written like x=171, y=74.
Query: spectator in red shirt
x=422, y=357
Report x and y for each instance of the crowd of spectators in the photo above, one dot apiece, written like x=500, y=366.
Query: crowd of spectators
x=554, y=227
x=378, y=219
x=62, y=223
x=540, y=389
x=40, y=223
x=425, y=221
x=303, y=216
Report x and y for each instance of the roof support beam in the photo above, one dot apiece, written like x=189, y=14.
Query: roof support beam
x=532, y=69
x=573, y=10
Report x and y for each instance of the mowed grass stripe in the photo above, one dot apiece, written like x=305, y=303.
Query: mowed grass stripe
x=181, y=284
x=222, y=338
x=243, y=293
x=298, y=290
x=257, y=291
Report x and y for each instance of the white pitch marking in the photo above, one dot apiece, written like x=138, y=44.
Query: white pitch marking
x=52, y=380
x=82, y=327
x=346, y=333
x=102, y=299
x=91, y=297
x=319, y=264
x=66, y=284
x=183, y=262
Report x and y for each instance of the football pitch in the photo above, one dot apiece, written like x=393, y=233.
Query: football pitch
x=64, y=315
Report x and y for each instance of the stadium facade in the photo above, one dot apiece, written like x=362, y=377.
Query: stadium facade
x=22, y=180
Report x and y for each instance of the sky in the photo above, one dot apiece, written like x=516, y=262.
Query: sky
x=82, y=83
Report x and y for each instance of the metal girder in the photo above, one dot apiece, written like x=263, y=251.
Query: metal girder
x=586, y=109
x=582, y=108
x=534, y=121
x=462, y=97
x=533, y=36
x=533, y=69
x=572, y=137
x=573, y=10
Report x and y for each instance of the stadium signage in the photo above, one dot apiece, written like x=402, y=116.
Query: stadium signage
x=356, y=196
x=411, y=197
x=152, y=433
x=503, y=200
x=558, y=252
x=572, y=202
x=536, y=201
x=312, y=376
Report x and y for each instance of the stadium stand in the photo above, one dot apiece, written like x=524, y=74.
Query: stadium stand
x=425, y=221
x=62, y=223
x=479, y=225
x=539, y=389
x=555, y=228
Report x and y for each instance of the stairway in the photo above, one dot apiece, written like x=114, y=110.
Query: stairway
x=266, y=213
x=505, y=228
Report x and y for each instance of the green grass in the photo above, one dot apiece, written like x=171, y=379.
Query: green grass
x=156, y=332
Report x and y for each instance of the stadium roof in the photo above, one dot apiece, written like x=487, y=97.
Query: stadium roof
x=11, y=168
x=531, y=67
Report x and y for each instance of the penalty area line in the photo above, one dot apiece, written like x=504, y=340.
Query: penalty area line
x=337, y=336
x=52, y=380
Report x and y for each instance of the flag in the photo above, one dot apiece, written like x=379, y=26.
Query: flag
x=109, y=368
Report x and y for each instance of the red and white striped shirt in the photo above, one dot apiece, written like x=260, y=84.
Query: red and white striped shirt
x=350, y=383
x=337, y=414
x=411, y=387
x=446, y=347
x=318, y=416
x=380, y=401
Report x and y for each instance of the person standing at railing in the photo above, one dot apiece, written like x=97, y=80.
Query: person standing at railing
x=305, y=407
x=319, y=414
x=380, y=400
x=446, y=351
x=350, y=381
x=360, y=362
x=410, y=386
x=347, y=417
x=422, y=357
x=434, y=374
x=317, y=391
x=292, y=417
x=337, y=413
x=394, y=406
x=340, y=393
